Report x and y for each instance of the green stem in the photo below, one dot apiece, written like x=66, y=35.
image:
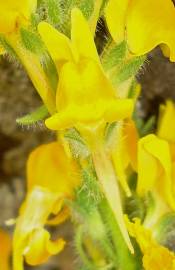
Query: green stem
x=97, y=231
x=78, y=243
x=126, y=261
x=88, y=264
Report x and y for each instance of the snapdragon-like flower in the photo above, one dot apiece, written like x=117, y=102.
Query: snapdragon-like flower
x=15, y=13
x=144, y=24
x=51, y=179
x=86, y=99
x=156, y=157
x=155, y=256
x=5, y=250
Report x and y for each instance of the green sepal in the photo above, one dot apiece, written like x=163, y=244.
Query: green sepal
x=50, y=70
x=73, y=134
x=109, y=131
x=144, y=127
x=34, y=19
x=32, y=118
x=132, y=90
x=32, y=41
x=165, y=231
x=8, y=49
x=54, y=12
x=129, y=69
x=88, y=195
x=135, y=207
x=78, y=244
x=86, y=6
x=77, y=145
x=113, y=55
x=104, y=2
x=87, y=263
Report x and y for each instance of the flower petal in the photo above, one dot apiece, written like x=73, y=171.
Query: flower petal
x=58, y=45
x=115, y=13
x=150, y=23
x=86, y=96
x=82, y=37
x=40, y=247
x=155, y=168
x=154, y=255
x=89, y=114
x=35, y=211
x=5, y=250
x=61, y=175
x=166, y=127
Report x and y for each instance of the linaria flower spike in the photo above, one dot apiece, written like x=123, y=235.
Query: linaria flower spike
x=85, y=98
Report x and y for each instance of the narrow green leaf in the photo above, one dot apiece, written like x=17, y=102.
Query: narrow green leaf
x=34, y=117
x=114, y=55
x=50, y=70
x=32, y=41
x=148, y=126
x=126, y=261
x=54, y=11
x=7, y=47
x=87, y=7
x=130, y=69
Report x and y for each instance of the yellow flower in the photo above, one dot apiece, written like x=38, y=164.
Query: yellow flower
x=51, y=178
x=144, y=24
x=86, y=99
x=5, y=250
x=156, y=157
x=13, y=13
x=155, y=168
x=155, y=256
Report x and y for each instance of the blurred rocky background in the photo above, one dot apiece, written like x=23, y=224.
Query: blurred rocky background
x=17, y=98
